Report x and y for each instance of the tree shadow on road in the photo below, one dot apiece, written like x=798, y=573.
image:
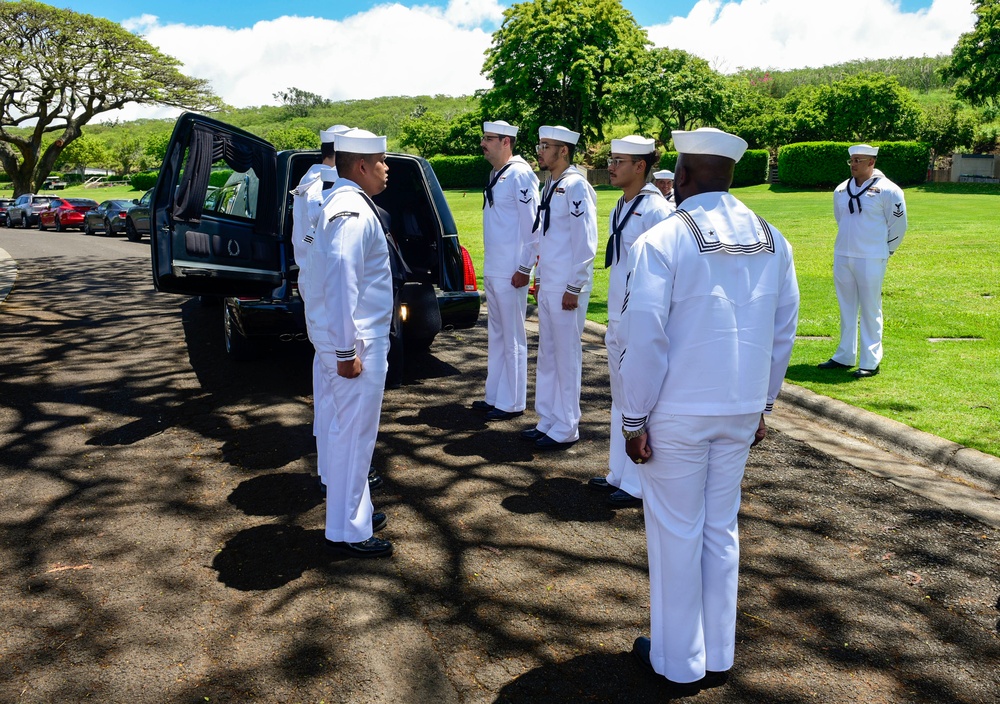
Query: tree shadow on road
x=160, y=541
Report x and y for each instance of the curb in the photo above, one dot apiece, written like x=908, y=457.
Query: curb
x=8, y=274
x=948, y=458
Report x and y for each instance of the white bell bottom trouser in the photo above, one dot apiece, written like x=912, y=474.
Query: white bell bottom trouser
x=859, y=294
x=507, y=361
x=322, y=399
x=621, y=470
x=560, y=365
x=691, y=499
x=355, y=405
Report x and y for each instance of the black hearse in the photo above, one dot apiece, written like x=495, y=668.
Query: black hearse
x=234, y=241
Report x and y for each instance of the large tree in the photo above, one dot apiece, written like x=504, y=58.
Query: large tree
x=868, y=106
x=669, y=89
x=59, y=69
x=552, y=62
x=975, y=60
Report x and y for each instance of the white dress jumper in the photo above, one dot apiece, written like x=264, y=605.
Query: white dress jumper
x=871, y=223
x=509, y=207
x=567, y=244
x=348, y=297
x=706, y=334
x=650, y=209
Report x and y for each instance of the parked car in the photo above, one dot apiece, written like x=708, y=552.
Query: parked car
x=108, y=217
x=23, y=212
x=137, y=218
x=64, y=213
x=240, y=248
x=4, y=204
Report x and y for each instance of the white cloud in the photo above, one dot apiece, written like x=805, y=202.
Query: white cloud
x=786, y=34
x=473, y=13
x=387, y=50
x=392, y=49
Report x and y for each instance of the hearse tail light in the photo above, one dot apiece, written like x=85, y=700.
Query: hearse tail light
x=468, y=271
x=404, y=312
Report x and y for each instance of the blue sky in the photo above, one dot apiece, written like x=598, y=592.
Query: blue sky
x=348, y=49
x=244, y=13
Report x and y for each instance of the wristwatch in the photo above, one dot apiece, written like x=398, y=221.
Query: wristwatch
x=633, y=434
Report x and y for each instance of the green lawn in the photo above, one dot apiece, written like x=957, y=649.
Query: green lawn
x=98, y=194
x=944, y=282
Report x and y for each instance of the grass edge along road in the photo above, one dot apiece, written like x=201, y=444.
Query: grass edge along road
x=941, y=303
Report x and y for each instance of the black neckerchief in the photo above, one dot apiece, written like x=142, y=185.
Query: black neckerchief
x=851, y=197
x=544, y=207
x=488, y=193
x=614, y=251
x=396, y=262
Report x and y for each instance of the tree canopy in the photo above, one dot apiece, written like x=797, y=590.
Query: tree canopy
x=975, y=60
x=553, y=61
x=670, y=89
x=59, y=69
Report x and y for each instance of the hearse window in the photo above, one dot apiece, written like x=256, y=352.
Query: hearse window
x=254, y=170
x=237, y=197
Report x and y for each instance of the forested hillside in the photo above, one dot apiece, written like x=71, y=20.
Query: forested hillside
x=766, y=106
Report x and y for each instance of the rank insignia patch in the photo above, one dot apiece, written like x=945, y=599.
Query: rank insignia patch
x=343, y=214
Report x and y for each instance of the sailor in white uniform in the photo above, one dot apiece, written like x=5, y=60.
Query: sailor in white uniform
x=307, y=201
x=510, y=203
x=348, y=299
x=871, y=220
x=566, y=224
x=706, y=334
x=664, y=182
x=640, y=207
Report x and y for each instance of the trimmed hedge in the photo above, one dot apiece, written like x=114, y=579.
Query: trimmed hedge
x=750, y=170
x=143, y=181
x=824, y=164
x=219, y=178
x=461, y=171
x=147, y=179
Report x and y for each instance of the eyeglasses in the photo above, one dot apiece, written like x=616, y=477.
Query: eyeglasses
x=488, y=137
x=858, y=160
x=542, y=147
x=618, y=162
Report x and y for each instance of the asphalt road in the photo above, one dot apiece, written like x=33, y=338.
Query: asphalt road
x=161, y=533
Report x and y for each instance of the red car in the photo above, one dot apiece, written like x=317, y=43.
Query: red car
x=64, y=213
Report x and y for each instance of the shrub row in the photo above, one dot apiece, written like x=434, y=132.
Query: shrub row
x=144, y=180
x=147, y=179
x=219, y=178
x=461, y=171
x=823, y=164
x=750, y=170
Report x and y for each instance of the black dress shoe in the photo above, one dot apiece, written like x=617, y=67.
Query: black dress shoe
x=497, y=414
x=379, y=521
x=714, y=679
x=547, y=443
x=373, y=547
x=623, y=499
x=374, y=479
x=482, y=406
x=640, y=649
x=833, y=364
x=865, y=373
x=600, y=484
x=532, y=434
